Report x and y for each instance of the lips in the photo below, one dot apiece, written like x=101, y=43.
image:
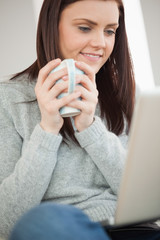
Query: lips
x=94, y=55
x=91, y=57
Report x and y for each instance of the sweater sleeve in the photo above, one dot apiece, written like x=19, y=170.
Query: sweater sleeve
x=24, y=177
x=107, y=151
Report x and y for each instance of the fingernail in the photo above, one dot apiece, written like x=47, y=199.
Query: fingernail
x=78, y=80
x=78, y=63
x=65, y=78
x=57, y=60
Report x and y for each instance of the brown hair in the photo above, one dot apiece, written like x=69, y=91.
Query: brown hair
x=115, y=80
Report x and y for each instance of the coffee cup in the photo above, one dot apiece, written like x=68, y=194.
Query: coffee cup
x=72, y=71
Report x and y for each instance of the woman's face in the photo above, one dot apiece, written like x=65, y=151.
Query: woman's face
x=87, y=31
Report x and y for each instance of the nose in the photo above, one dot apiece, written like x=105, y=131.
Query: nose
x=98, y=40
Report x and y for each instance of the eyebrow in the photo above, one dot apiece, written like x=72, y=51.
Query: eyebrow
x=94, y=23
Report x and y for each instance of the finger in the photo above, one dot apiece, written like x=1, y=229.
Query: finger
x=88, y=96
x=44, y=72
x=58, y=88
x=85, y=81
x=82, y=106
x=64, y=101
x=54, y=77
x=87, y=88
x=86, y=69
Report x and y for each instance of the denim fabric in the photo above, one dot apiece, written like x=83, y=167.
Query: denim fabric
x=57, y=222
x=64, y=222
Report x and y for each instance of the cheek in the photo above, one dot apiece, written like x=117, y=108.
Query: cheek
x=110, y=46
x=68, y=41
x=72, y=44
x=64, y=37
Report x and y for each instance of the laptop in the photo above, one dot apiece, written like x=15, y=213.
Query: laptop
x=139, y=193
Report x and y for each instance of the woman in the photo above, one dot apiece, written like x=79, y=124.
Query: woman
x=69, y=162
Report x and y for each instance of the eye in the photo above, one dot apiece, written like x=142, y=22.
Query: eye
x=110, y=32
x=84, y=29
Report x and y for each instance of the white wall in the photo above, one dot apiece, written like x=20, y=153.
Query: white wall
x=17, y=35
x=151, y=13
x=138, y=44
x=37, y=6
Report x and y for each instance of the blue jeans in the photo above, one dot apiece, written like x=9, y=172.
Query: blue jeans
x=64, y=222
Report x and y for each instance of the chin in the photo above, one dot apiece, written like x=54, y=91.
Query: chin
x=96, y=70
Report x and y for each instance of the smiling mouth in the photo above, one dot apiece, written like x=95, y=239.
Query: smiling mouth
x=91, y=55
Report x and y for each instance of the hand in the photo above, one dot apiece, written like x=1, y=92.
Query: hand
x=89, y=95
x=47, y=92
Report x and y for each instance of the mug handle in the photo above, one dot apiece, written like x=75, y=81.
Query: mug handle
x=71, y=73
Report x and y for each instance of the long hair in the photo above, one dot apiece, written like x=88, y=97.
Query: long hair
x=115, y=80
x=116, y=83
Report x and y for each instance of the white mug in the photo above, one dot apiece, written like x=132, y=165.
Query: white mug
x=72, y=71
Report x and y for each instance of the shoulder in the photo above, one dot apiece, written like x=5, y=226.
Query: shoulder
x=16, y=90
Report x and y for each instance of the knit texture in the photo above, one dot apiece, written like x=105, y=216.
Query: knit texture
x=37, y=166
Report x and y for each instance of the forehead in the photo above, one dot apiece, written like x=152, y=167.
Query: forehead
x=104, y=10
